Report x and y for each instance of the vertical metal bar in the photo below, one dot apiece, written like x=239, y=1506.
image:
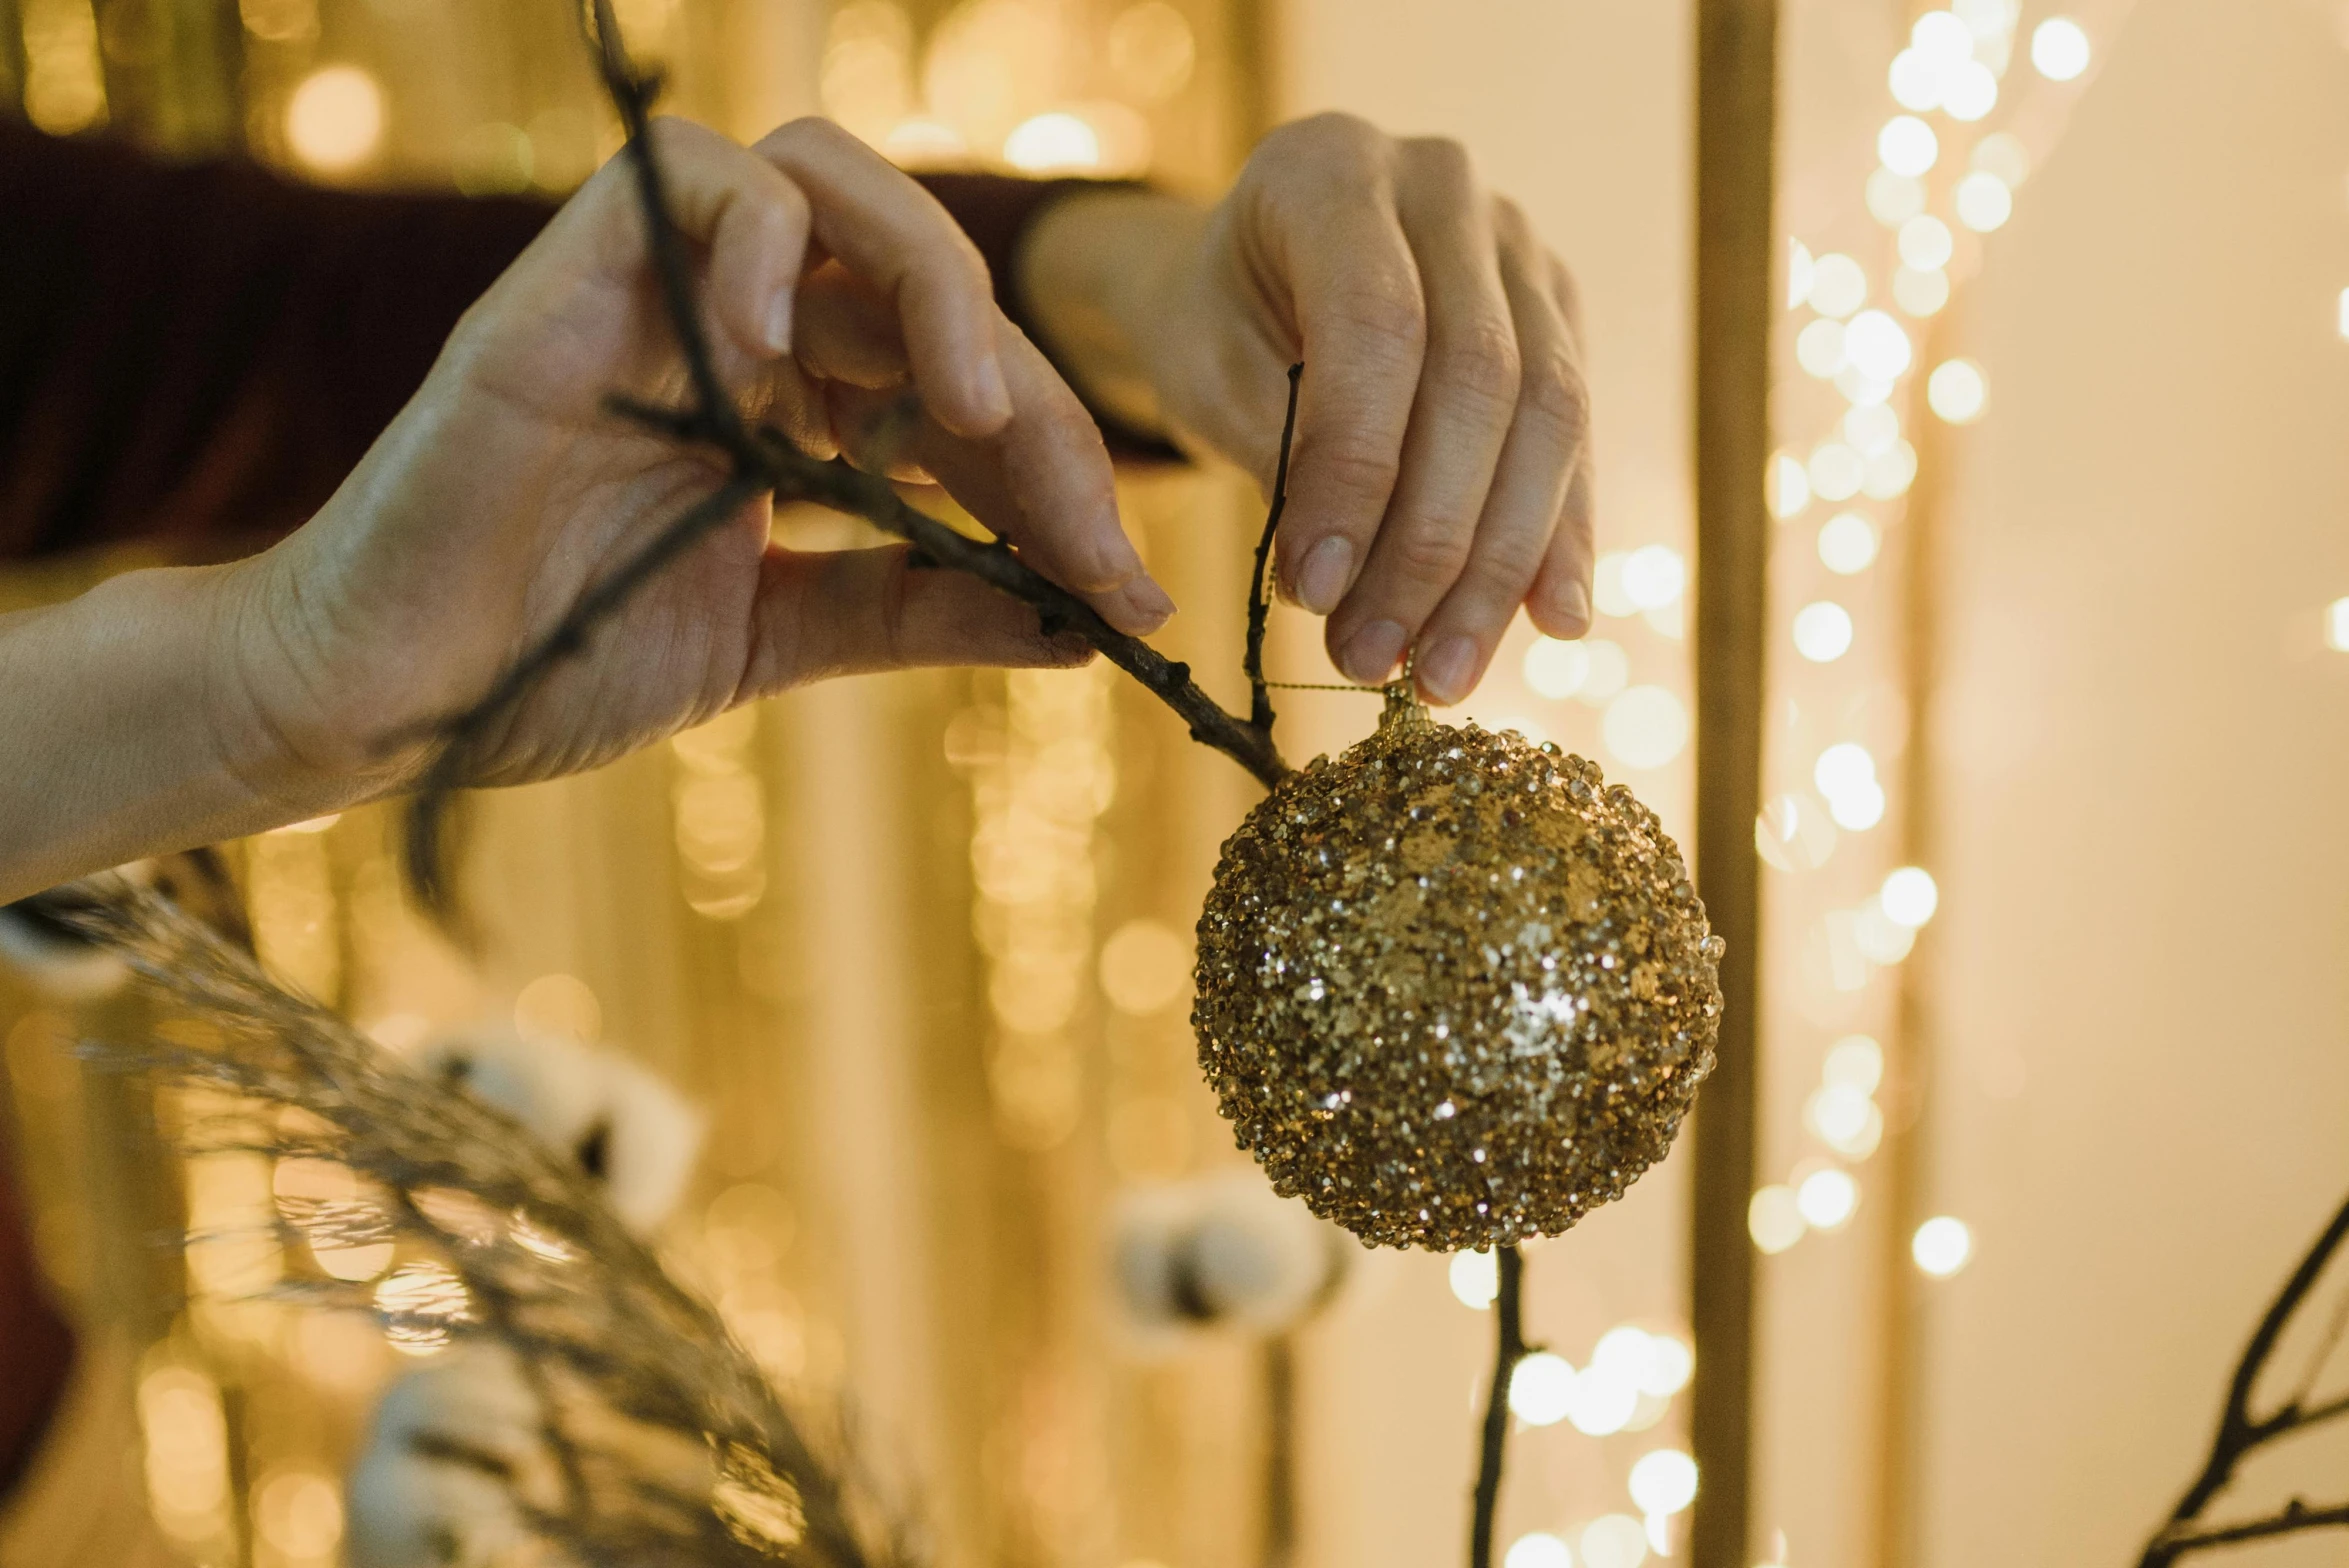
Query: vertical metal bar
x=1736, y=100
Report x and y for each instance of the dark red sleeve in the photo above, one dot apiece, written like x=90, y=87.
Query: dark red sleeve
x=195, y=355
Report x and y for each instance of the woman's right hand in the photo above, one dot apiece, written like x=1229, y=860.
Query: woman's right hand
x=506, y=489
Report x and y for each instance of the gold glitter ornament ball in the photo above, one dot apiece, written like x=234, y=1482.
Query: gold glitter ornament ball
x=1452, y=990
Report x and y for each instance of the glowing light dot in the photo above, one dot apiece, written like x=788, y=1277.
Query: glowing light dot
x=1541, y=1389
x=1893, y=199
x=1646, y=727
x=1907, y=145
x=334, y=120
x=2343, y=322
x=2003, y=156
x=1773, y=1220
x=1839, y=285
x=1556, y=669
x=1910, y=896
x=1859, y=808
x=1663, y=1481
x=1843, y=767
x=1942, y=1245
x=1847, y=544
x=1854, y=1062
x=1871, y=428
x=1915, y=80
x=1538, y=1550
x=1671, y=1363
x=1799, y=272
x=1822, y=631
x=1614, y=1541
x=1827, y=1199
x=1926, y=244
x=1818, y=348
x=1983, y=202
x=1789, y=486
x=1610, y=669
x=1920, y=293
x=1837, y=471
x=1052, y=142
x=1890, y=472
x=2337, y=626
x=1476, y=1279
x=1653, y=576
x=1940, y=37
x=1969, y=92
x=1858, y=387
x=1608, y=594
x=1875, y=343
x=2059, y=49
x=1957, y=391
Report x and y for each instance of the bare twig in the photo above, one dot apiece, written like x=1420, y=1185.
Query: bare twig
x=1259, y=599
x=2240, y=1432
x=762, y=460
x=1509, y=1348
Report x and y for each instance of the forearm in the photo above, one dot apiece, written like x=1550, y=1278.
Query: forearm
x=119, y=741
x=1096, y=277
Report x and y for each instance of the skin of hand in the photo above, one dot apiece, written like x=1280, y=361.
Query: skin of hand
x=1442, y=468
x=175, y=707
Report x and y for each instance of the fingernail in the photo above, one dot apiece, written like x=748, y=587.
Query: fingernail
x=1574, y=606
x=1148, y=607
x=1370, y=657
x=1322, y=580
x=779, y=324
x=987, y=386
x=1446, y=670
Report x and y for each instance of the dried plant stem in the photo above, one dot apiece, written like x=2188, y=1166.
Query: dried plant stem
x=1509, y=1348
x=1260, y=714
x=2240, y=1432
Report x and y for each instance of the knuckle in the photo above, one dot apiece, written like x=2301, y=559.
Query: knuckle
x=1433, y=553
x=1384, y=316
x=1481, y=362
x=1439, y=158
x=1356, y=472
x=1554, y=392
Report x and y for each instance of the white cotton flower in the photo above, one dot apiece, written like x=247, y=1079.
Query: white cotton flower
x=626, y=1126
x=426, y=1492
x=1223, y=1251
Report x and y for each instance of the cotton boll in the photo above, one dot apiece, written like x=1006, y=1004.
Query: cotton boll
x=625, y=1126
x=1223, y=1251
x=451, y=1454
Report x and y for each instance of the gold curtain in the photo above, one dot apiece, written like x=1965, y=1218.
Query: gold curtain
x=918, y=944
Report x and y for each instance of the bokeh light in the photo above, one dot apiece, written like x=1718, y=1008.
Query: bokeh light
x=1926, y=244
x=2003, y=156
x=1541, y=1389
x=1053, y=143
x=334, y=120
x=1847, y=544
x=1854, y=1062
x=1920, y=293
x=1871, y=428
x=1876, y=344
x=1893, y=199
x=1957, y=391
x=1907, y=145
x=1789, y=485
x=1818, y=348
x=1654, y=576
x=1983, y=202
x=1614, y=1541
x=2059, y=49
x=1645, y=727
x=1663, y=1481
x=1822, y=631
x=1540, y=1549
x=1827, y=1199
x=1773, y=1220
x=1942, y=1245
x=1839, y=285
x=1476, y=1279
x=1837, y=471
x=1910, y=896
x=2337, y=626
x=1969, y=92
x=1556, y=669
x=1800, y=270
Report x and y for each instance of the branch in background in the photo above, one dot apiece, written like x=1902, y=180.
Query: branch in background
x=762, y=460
x=1509, y=1348
x=2240, y=1432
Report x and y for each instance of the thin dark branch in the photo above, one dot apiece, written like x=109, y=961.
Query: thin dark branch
x=2239, y=1432
x=1509, y=1348
x=763, y=460
x=1259, y=600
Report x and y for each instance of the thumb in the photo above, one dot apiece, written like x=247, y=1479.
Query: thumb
x=849, y=612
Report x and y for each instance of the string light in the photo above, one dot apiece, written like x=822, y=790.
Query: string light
x=1663, y=1481
x=1920, y=293
x=1942, y=1246
x=2337, y=626
x=1957, y=391
x=1541, y=1389
x=1556, y=669
x=1839, y=285
x=1822, y=631
x=1875, y=343
x=1827, y=1199
x=1926, y=244
x=1475, y=1279
x=1907, y=145
x=1774, y=1220
x=1539, y=1549
x=334, y=120
x=1614, y=1541
x=2059, y=49
x=1847, y=544
x=1910, y=896
x=1983, y=202
x=1645, y=727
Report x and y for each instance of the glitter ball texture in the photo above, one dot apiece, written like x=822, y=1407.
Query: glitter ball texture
x=1452, y=990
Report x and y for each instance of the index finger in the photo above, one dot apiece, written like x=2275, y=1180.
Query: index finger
x=889, y=231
